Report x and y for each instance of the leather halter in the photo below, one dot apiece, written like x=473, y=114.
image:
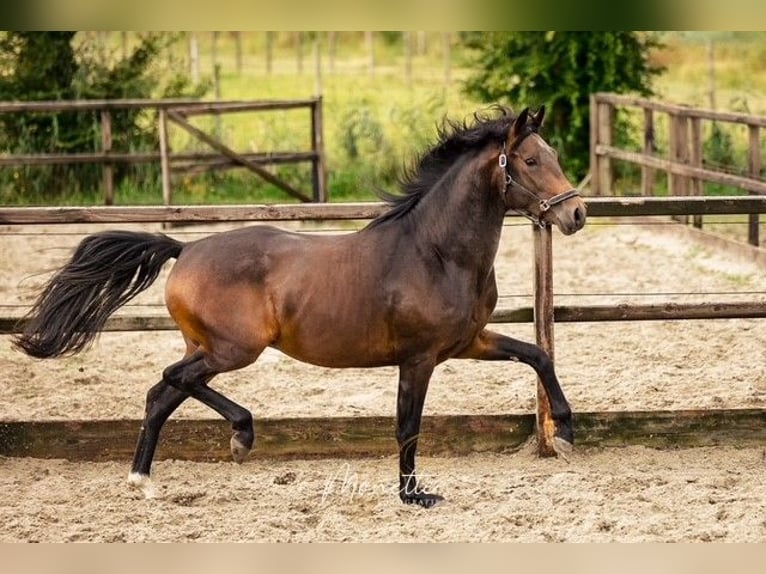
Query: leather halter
x=544, y=204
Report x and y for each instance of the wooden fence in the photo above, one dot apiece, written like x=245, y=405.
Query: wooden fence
x=684, y=163
x=177, y=112
x=13, y=436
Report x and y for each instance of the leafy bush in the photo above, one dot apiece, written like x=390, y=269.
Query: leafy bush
x=560, y=70
x=43, y=66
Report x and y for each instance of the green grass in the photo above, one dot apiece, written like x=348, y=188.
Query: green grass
x=373, y=123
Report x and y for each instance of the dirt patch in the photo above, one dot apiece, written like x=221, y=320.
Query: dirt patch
x=623, y=494
x=626, y=494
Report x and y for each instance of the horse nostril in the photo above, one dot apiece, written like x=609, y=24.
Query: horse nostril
x=579, y=217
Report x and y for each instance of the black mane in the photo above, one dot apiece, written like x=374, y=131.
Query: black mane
x=454, y=140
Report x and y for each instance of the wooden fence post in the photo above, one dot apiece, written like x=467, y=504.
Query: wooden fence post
x=605, y=116
x=595, y=182
x=543, y=316
x=678, y=153
x=167, y=193
x=672, y=153
x=647, y=173
x=319, y=175
x=106, y=148
x=754, y=161
x=695, y=159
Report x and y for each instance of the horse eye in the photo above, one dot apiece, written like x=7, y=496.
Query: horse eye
x=530, y=161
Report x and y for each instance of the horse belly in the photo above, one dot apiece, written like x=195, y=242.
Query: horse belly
x=332, y=329
x=335, y=339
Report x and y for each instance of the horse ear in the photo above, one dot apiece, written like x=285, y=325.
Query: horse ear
x=518, y=125
x=537, y=119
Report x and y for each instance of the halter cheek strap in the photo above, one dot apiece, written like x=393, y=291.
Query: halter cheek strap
x=544, y=204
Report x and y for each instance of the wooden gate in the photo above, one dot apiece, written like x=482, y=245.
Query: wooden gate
x=178, y=112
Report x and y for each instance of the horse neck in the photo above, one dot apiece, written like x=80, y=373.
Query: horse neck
x=461, y=216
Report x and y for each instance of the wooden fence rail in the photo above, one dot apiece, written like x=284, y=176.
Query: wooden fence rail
x=544, y=314
x=357, y=436
x=684, y=163
x=597, y=207
x=178, y=111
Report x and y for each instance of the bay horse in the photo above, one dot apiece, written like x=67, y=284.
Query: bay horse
x=413, y=288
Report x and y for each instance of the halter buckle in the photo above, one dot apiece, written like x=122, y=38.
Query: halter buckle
x=502, y=160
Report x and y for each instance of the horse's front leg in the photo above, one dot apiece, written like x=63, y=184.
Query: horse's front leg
x=490, y=346
x=413, y=385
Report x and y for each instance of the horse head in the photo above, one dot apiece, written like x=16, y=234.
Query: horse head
x=534, y=183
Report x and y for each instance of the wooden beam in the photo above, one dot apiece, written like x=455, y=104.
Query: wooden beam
x=319, y=170
x=191, y=213
x=106, y=148
x=669, y=429
x=686, y=111
x=543, y=315
x=167, y=192
x=754, y=167
x=659, y=312
x=189, y=106
x=696, y=160
x=650, y=206
x=237, y=157
x=679, y=169
x=597, y=207
x=647, y=173
x=595, y=183
x=275, y=438
x=604, y=127
x=204, y=158
x=561, y=314
x=444, y=435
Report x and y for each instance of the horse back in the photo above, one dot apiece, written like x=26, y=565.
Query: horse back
x=262, y=286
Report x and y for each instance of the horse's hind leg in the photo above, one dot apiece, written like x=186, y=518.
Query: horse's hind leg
x=187, y=378
x=161, y=400
x=190, y=376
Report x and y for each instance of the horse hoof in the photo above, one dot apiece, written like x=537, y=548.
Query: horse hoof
x=143, y=483
x=562, y=447
x=239, y=451
x=422, y=499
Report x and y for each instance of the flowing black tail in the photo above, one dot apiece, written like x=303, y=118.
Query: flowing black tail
x=106, y=271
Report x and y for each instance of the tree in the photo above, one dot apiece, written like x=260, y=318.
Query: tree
x=561, y=70
x=38, y=66
x=43, y=68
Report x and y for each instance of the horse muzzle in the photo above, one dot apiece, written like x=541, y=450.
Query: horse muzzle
x=567, y=210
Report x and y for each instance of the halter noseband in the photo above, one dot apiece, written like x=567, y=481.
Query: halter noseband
x=544, y=205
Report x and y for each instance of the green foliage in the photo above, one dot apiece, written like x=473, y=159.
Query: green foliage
x=375, y=142
x=560, y=70
x=718, y=152
x=42, y=66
